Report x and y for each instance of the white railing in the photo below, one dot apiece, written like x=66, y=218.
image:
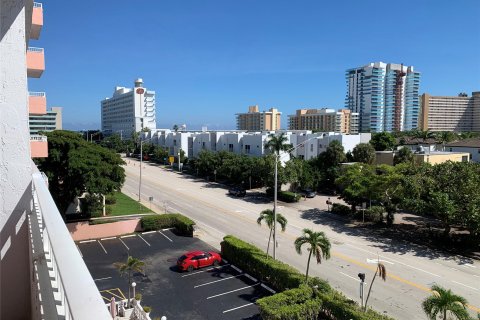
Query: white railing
x=35, y=49
x=134, y=313
x=36, y=94
x=38, y=137
x=37, y=5
x=62, y=287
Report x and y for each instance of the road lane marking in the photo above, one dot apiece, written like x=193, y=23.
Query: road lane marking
x=245, y=305
x=148, y=232
x=109, y=238
x=101, y=245
x=144, y=240
x=358, y=280
x=128, y=236
x=103, y=279
x=204, y=284
x=238, y=269
x=210, y=269
x=124, y=244
x=165, y=236
x=221, y=294
x=87, y=241
x=79, y=251
x=465, y=285
x=268, y=288
x=250, y=277
x=378, y=260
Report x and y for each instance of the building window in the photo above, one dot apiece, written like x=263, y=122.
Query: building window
x=230, y=147
x=203, y=145
x=311, y=148
x=247, y=149
x=464, y=158
x=174, y=142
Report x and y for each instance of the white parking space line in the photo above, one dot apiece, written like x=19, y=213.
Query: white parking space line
x=268, y=288
x=250, y=277
x=222, y=294
x=101, y=245
x=144, y=240
x=209, y=269
x=465, y=285
x=79, y=251
x=128, y=236
x=103, y=279
x=358, y=280
x=124, y=244
x=148, y=232
x=238, y=269
x=167, y=229
x=87, y=241
x=245, y=305
x=165, y=236
x=205, y=284
x=109, y=238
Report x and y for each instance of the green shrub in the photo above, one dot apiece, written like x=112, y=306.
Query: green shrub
x=138, y=296
x=147, y=309
x=108, y=210
x=182, y=224
x=288, y=196
x=374, y=214
x=110, y=199
x=101, y=221
x=341, y=209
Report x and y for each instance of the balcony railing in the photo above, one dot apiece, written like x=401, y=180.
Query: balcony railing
x=62, y=285
x=37, y=21
x=35, y=62
x=35, y=49
x=38, y=137
x=36, y=94
x=37, y=103
x=37, y=5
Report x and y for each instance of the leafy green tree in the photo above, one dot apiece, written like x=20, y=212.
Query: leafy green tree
x=356, y=183
x=424, y=135
x=382, y=141
x=128, y=269
x=364, y=152
x=404, y=155
x=75, y=166
x=445, y=303
x=443, y=208
x=389, y=189
x=327, y=164
x=175, y=127
x=114, y=142
x=268, y=217
x=318, y=245
x=444, y=137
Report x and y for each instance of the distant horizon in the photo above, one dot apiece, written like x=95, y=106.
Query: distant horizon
x=208, y=61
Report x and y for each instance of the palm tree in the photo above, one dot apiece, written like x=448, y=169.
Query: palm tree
x=445, y=137
x=382, y=273
x=318, y=245
x=267, y=215
x=445, y=302
x=127, y=270
x=424, y=135
x=277, y=143
x=175, y=127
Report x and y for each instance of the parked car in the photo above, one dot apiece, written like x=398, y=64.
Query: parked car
x=237, y=191
x=198, y=259
x=309, y=193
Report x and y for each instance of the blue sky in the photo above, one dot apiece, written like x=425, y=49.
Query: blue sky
x=208, y=60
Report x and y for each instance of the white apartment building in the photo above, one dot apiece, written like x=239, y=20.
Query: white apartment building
x=129, y=110
x=50, y=121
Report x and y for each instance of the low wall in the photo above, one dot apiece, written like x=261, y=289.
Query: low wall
x=84, y=231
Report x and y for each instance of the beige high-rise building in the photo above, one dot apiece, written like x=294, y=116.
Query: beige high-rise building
x=254, y=120
x=450, y=113
x=327, y=120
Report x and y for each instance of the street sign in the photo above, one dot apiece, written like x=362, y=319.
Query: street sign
x=171, y=159
x=150, y=199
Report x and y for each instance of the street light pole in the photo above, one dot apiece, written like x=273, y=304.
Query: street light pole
x=275, y=210
x=141, y=162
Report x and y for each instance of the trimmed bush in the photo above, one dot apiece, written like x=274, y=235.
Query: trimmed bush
x=341, y=209
x=182, y=224
x=110, y=199
x=373, y=214
x=288, y=196
x=147, y=309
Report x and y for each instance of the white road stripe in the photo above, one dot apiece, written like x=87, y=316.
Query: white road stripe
x=465, y=285
x=101, y=245
x=148, y=232
x=245, y=305
x=86, y=241
x=165, y=236
x=128, y=236
x=79, y=251
x=167, y=229
x=194, y=273
x=358, y=280
x=221, y=294
x=250, y=277
x=238, y=269
x=124, y=244
x=144, y=240
x=204, y=284
x=108, y=238
x=103, y=279
x=268, y=288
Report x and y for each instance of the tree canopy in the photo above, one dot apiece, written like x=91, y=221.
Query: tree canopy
x=382, y=141
x=75, y=166
x=364, y=152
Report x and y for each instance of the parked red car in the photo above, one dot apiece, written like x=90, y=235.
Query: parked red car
x=198, y=259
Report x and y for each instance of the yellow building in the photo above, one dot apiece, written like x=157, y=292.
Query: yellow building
x=325, y=120
x=255, y=120
x=432, y=157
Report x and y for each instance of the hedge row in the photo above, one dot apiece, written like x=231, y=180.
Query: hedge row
x=182, y=224
x=341, y=209
x=277, y=274
x=288, y=196
x=298, y=302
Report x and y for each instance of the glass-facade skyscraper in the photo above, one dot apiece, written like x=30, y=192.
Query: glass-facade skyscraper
x=385, y=95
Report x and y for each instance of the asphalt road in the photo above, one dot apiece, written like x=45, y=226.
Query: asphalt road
x=411, y=269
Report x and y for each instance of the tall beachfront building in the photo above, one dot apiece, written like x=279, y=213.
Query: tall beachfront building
x=254, y=120
x=385, y=95
x=129, y=110
x=50, y=121
x=325, y=120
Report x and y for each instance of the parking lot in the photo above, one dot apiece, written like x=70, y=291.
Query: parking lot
x=223, y=292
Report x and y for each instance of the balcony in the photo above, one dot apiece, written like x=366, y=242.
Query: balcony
x=62, y=285
x=35, y=62
x=38, y=146
x=37, y=21
x=37, y=103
